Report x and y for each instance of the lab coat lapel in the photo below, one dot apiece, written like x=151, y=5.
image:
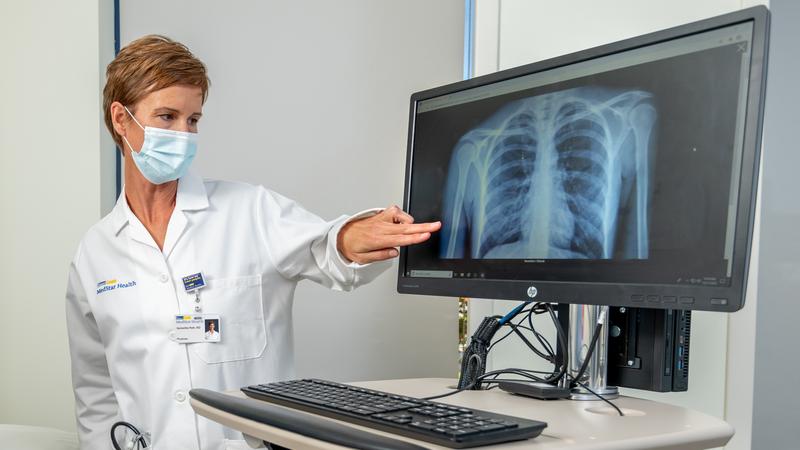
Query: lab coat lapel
x=122, y=215
x=191, y=197
x=177, y=224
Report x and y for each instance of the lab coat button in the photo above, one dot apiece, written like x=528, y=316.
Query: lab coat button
x=163, y=278
x=180, y=396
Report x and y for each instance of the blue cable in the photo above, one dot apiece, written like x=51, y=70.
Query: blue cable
x=513, y=313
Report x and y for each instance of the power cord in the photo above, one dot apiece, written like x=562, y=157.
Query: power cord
x=619, y=411
x=473, y=362
x=532, y=376
x=589, y=353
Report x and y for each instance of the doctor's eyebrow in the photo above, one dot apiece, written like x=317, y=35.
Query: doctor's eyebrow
x=163, y=109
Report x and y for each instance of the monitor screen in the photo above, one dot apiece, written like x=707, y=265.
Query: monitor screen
x=624, y=173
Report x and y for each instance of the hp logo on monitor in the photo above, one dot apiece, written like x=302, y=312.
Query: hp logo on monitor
x=532, y=291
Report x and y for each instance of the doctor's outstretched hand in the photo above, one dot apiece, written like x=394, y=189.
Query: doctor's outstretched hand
x=376, y=238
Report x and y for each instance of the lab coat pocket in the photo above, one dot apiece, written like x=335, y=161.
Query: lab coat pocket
x=242, y=329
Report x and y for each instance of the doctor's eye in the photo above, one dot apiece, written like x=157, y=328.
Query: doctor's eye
x=165, y=117
x=193, y=120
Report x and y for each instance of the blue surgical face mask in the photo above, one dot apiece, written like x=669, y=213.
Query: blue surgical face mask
x=165, y=154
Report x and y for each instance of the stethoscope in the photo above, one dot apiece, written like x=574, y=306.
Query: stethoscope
x=138, y=441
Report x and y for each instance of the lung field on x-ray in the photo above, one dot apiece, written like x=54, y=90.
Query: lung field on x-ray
x=562, y=175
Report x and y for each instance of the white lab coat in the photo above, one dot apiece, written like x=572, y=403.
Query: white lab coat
x=212, y=336
x=123, y=294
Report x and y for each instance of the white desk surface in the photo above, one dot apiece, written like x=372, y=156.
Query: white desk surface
x=570, y=424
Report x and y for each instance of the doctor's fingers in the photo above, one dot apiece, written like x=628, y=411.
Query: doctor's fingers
x=399, y=240
x=377, y=255
x=408, y=228
x=394, y=214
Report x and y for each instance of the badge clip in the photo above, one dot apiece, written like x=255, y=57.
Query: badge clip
x=193, y=283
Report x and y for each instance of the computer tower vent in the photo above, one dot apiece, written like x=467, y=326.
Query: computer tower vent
x=687, y=336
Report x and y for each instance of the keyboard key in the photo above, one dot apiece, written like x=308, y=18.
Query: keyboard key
x=492, y=427
x=424, y=426
x=463, y=432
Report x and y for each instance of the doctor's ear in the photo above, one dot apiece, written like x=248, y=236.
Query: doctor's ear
x=119, y=118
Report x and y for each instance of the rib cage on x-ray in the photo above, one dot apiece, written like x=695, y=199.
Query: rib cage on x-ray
x=547, y=177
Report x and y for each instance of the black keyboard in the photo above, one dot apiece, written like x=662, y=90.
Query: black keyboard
x=439, y=423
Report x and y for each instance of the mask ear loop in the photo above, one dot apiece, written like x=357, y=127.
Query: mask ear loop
x=137, y=123
x=134, y=118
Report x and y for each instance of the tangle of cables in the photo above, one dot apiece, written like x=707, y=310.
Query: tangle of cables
x=519, y=322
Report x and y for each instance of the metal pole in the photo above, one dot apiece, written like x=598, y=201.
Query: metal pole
x=463, y=328
x=582, y=321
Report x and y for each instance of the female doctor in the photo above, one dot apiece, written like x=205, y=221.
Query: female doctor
x=177, y=246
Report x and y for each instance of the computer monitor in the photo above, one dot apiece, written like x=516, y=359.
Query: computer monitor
x=622, y=175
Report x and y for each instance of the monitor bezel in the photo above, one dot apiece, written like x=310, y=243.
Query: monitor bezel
x=711, y=298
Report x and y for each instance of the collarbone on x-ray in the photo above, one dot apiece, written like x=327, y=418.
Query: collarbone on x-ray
x=563, y=175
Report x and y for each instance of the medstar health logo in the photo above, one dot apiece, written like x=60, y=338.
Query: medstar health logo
x=110, y=285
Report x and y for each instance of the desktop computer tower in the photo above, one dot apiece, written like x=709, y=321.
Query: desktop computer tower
x=647, y=348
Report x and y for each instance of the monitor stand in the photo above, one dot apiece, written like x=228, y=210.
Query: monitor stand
x=582, y=322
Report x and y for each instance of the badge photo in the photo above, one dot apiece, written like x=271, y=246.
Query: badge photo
x=212, y=328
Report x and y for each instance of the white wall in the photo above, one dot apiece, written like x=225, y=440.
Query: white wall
x=775, y=400
x=310, y=98
x=515, y=32
x=55, y=162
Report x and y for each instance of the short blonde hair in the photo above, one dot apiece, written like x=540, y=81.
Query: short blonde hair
x=148, y=64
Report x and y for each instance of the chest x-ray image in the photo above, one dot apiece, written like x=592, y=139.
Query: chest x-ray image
x=563, y=175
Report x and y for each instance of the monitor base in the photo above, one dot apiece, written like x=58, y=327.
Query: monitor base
x=608, y=393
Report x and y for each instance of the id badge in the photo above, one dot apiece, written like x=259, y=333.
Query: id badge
x=190, y=329
x=193, y=282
